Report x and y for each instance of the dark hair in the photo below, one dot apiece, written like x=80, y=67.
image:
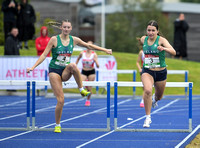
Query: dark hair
x=153, y=23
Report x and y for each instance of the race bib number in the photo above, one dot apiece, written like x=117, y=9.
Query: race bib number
x=151, y=61
x=63, y=59
x=88, y=63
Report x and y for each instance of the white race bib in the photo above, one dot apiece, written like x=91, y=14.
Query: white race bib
x=151, y=61
x=63, y=60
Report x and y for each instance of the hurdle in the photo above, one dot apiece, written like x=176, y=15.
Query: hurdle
x=70, y=83
x=139, y=84
x=134, y=72
x=19, y=83
x=184, y=72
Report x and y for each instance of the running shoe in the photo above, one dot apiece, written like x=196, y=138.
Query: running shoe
x=142, y=105
x=57, y=129
x=154, y=102
x=87, y=103
x=85, y=93
x=147, y=123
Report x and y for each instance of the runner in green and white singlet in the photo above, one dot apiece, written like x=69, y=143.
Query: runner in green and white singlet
x=61, y=55
x=60, y=68
x=153, y=57
x=154, y=70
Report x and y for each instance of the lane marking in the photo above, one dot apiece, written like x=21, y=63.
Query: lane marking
x=154, y=112
x=23, y=133
x=40, y=110
x=17, y=102
x=186, y=138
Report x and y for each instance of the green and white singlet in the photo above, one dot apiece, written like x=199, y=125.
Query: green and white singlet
x=61, y=55
x=153, y=57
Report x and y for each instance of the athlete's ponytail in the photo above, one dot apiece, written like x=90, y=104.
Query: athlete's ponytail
x=57, y=24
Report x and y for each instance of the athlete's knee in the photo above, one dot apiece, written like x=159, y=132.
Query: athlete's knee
x=60, y=101
x=148, y=91
x=73, y=67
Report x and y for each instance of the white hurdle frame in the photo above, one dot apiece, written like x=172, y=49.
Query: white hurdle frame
x=19, y=83
x=134, y=72
x=139, y=84
x=85, y=83
x=185, y=72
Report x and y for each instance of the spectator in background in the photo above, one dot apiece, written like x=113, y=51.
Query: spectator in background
x=180, y=42
x=25, y=21
x=9, y=8
x=11, y=43
x=42, y=41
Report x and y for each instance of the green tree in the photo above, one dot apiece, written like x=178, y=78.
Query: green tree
x=122, y=29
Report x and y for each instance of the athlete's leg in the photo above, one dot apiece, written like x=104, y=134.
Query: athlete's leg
x=56, y=85
x=159, y=89
x=148, y=82
x=83, y=77
x=89, y=88
x=70, y=70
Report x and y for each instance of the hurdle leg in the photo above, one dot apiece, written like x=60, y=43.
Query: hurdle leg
x=33, y=105
x=97, y=79
x=190, y=107
x=186, y=80
x=108, y=106
x=115, y=105
x=28, y=105
x=134, y=79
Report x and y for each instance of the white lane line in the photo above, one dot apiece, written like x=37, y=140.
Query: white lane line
x=186, y=138
x=17, y=102
x=63, y=120
x=14, y=103
x=15, y=135
x=39, y=110
x=13, y=116
x=154, y=112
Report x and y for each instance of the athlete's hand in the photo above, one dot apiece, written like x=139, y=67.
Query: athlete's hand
x=160, y=48
x=28, y=70
x=109, y=51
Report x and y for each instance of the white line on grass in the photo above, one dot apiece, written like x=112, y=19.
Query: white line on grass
x=154, y=112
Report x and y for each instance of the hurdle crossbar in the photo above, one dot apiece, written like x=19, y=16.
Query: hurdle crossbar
x=85, y=83
x=185, y=72
x=139, y=84
x=134, y=72
x=19, y=83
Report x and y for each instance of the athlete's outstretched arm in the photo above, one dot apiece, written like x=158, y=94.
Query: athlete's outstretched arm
x=43, y=55
x=78, y=41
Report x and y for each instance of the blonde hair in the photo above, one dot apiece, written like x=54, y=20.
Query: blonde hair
x=57, y=24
